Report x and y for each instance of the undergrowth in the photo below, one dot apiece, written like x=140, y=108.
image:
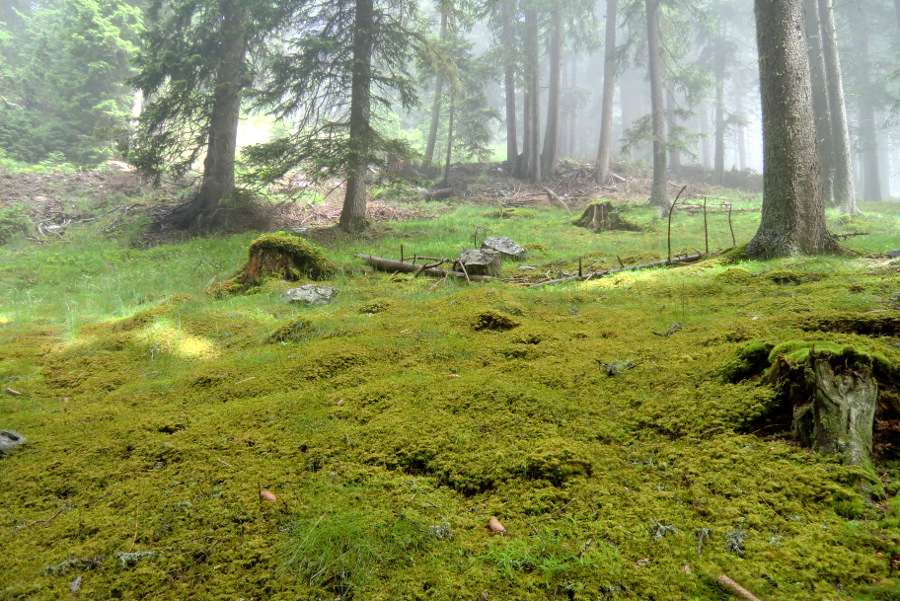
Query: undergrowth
x=395, y=422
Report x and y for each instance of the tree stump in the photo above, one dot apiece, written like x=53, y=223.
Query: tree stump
x=840, y=414
x=603, y=217
x=483, y=261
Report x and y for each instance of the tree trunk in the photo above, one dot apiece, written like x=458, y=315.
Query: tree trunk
x=659, y=196
x=449, y=141
x=604, y=154
x=554, y=97
x=719, y=162
x=218, y=166
x=532, y=129
x=705, y=154
x=509, y=86
x=793, y=214
x=843, y=188
x=868, y=141
x=820, y=98
x=741, y=143
x=353, y=213
x=674, y=151
x=436, y=105
x=626, y=105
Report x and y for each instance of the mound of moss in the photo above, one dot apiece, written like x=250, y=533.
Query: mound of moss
x=278, y=256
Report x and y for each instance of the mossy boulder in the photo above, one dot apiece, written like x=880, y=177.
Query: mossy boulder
x=279, y=256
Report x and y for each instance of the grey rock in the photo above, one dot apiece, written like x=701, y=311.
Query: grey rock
x=894, y=253
x=9, y=441
x=310, y=294
x=527, y=268
x=483, y=261
x=505, y=247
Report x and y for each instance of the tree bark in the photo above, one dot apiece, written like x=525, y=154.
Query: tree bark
x=741, y=143
x=218, y=166
x=719, y=162
x=820, y=98
x=868, y=141
x=705, y=154
x=674, y=151
x=532, y=127
x=843, y=187
x=659, y=196
x=436, y=105
x=449, y=141
x=353, y=213
x=509, y=86
x=554, y=96
x=604, y=154
x=793, y=214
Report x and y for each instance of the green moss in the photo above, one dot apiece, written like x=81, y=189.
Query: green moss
x=494, y=320
x=14, y=220
x=856, y=357
x=751, y=360
x=511, y=214
x=297, y=330
x=786, y=277
x=376, y=305
x=734, y=275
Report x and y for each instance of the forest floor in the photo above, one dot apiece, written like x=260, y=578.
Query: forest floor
x=612, y=426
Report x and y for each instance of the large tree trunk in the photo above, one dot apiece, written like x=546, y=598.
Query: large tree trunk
x=554, y=96
x=436, y=105
x=604, y=154
x=353, y=213
x=509, y=87
x=626, y=106
x=868, y=141
x=218, y=166
x=820, y=98
x=659, y=196
x=793, y=214
x=843, y=188
x=674, y=151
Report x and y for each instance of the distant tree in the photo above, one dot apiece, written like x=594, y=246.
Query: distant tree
x=868, y=93
x=793, y=212
x=65, y=92
x=659, y=196
x=347, y=64
x=193, y=71
x=604, y=154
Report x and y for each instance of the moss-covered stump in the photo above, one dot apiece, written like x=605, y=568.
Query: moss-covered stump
x=839, y=417
x=278, y=256
x=604, y=217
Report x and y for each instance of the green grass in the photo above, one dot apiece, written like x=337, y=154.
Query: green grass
x=391, y=428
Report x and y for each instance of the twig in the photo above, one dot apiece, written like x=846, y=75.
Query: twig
x=705, y=227
x=225, y=463
x=672, y=210
x=730, y=227
x=736, y=589
x=134, y=538
x=554, y=197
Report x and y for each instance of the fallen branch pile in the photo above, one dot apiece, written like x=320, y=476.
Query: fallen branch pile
x=432, y=270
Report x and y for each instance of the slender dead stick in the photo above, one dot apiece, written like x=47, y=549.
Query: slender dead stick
x=672, y=210
x=733, y=241
x=736, y=589
x=705, y=226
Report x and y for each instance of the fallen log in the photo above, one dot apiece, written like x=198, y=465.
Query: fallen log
x=392, y=266
x=597, y=274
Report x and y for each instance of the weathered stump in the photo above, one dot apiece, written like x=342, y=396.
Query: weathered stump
x=603, y=217
x=505, y=246
x=840, y=414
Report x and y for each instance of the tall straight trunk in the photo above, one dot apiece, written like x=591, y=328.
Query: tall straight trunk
x=674, y=151
x=571, y=149
x=868, y=141
x=719, y=162
x=705, y=151
x=897, y=10
x=820, y=98
x=843, y=187
x=449, y=141
x=659, y=196
x=604, y=154
x=793, y=214
x=218, y=166
x=509, y=87
x=532, y=129
x=554, y=96
x=626, y=106
x=741, y=142
x=353, y=213
x=436, y=105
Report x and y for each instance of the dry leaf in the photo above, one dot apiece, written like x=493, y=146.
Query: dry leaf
x=265, y=495
x=642, y=561
x=495, y=526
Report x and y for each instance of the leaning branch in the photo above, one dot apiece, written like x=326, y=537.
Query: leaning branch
x=597, y=274
x=392, y=266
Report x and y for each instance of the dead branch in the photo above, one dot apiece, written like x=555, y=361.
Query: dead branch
x=392, y=266
x=675, y=260
x=555, y=198
x=736, y=589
